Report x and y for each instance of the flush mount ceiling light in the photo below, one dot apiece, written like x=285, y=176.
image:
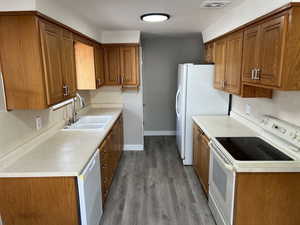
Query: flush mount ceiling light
x=155, y=17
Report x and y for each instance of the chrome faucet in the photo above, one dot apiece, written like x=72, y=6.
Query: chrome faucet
x=82, y=104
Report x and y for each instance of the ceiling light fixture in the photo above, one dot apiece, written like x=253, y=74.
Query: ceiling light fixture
x=155, y=17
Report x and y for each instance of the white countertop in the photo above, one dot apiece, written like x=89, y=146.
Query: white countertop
x=63, y=154
x=223, y=126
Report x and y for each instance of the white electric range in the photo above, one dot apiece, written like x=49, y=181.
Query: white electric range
x=276, y=148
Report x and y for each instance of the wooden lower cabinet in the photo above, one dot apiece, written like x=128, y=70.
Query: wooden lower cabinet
x=267, y=199
x=201, y=154
x=110, y=154
x=39, y=201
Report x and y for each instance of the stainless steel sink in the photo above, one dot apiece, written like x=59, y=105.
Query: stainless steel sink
x=90, y=123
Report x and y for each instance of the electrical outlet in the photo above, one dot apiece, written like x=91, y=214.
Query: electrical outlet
x=38, y=124
x=248, y=109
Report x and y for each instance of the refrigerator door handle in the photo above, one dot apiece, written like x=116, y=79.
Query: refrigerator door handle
x=177, y=94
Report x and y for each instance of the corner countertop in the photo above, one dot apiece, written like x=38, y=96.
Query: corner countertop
x=63, y=154
x=223, y=126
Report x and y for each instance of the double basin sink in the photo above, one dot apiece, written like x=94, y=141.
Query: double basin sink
x=93, y=123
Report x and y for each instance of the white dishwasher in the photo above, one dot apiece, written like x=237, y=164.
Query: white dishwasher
x=90, y=196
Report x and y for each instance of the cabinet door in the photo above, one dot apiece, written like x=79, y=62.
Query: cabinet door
x=51, y=47
x=209, y=53
x=129, y=65
x=196, y=149
x=85, y=66
x=220, y=60
x=250, y=53
x=68, y=65
x=112, y=65
x=271, y=51
x=99, y=66
x=234, y=51
x=204, y=161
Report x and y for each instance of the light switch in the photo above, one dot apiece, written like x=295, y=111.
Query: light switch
x=38, y=124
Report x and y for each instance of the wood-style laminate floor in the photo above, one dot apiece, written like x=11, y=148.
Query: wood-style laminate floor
x=154, y=188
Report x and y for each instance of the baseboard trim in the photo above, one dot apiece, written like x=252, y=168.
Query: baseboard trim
x=133, y=147
x=160, y=133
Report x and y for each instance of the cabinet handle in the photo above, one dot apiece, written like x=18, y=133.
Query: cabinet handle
x=65, y=90
x=223, y=83
x=257, y=74
x=98, y=82
x=252, y=74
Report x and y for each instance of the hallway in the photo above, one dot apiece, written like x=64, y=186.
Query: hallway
x=153, y=188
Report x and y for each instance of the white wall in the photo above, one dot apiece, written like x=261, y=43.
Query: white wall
x=284, y=105
x=242, y=14
x=62, y=14
x=120, y=36
x=17, y=5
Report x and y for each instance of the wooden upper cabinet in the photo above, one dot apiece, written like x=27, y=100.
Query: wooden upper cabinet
x=112, y=65
x=251, y=53
x=37, y=59
x=85, y=66
x=209, y=52
x=263, y=51
x=122, y=65
x=99, y=66
x=51, y=46
x=234, y=52
x=270, y=51
x=129, y=57
x=220, y=61
x=68, y=62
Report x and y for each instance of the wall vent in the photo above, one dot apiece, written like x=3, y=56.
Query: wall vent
x=215, y=4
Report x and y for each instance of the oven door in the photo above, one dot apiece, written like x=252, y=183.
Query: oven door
x=221, y=186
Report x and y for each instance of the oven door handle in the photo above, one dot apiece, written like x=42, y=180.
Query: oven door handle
x=221, y=158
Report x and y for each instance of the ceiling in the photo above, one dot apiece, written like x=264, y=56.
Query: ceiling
x=187, y=16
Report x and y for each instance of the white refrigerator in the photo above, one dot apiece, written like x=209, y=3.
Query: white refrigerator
x=195, y=96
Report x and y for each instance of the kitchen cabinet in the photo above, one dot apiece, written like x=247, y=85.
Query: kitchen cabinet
x=89, y=65
x=37, y=62
x=265, y=198
x=112, y=65
x=68, y=65
x=122, y=65
x=35, y=201
x=129, y=58
x=85, y=66
x=220, y=60
x=201, y=155
x=209, y=52
x=263, y=58
x=234, y=51
x=228, y=63
x=110, y=154
x=99, y=66
x=265, y=51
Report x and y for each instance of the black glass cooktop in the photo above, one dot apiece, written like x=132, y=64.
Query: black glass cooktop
x=252, y=149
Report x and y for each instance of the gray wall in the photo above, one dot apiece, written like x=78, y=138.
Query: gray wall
x=161, y=56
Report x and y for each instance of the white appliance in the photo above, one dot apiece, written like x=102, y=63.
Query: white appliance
x=284, y=137
x=90, y=196
x=195, y=96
